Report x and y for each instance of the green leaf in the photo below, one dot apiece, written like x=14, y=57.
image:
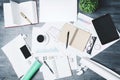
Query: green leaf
x=88, y=6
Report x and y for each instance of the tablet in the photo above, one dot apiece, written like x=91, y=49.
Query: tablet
x=105, y=29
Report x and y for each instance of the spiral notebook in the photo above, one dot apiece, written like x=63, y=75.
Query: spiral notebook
x=78, y=38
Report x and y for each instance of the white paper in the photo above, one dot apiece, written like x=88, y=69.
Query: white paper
x=63, y=68
x=56, y=61
x=46, y=73
x=15, y=56
x=48, y=45
x=15, y=12
x=8, y=18
x=60, y=10
x=100, y=69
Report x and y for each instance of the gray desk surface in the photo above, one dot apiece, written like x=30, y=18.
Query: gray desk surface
x=109, y=57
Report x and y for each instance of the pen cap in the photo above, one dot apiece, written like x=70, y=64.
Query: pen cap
x=33, y=69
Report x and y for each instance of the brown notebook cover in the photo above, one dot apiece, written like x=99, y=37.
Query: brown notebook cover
x=78, y=38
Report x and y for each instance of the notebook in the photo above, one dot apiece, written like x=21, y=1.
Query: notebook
x=78, y=38
x=55, y=11
x=20, y=13
x=105, y=29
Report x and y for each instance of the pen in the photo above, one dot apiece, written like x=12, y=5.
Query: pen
x=48, y=67
x=68, y=33
x=23, y=15
x=67, y=39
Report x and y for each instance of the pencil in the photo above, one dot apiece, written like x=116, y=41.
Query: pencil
x=67, y=39
x=48, y=67
x=23, y=15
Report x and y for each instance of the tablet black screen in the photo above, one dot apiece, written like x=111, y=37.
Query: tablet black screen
x=105, y=29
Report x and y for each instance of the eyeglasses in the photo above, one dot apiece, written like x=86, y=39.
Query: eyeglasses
x=90, y=44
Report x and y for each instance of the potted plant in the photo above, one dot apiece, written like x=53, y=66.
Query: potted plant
x=88, y=6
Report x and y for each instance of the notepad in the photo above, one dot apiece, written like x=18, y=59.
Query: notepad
x=59, y=63
x=105, y=29
x=56, y=61
x=12, y=13
x=78, y=38
x=56, y=11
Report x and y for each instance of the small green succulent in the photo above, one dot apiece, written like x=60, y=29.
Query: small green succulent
x=88, y=6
